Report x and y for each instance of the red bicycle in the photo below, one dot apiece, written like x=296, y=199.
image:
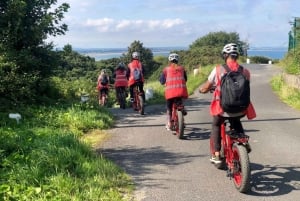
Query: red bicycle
x=102, y=97
x=177, y=117
x=234, y=156
x=138, y=101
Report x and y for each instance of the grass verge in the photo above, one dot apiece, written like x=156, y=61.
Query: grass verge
x=287, y=94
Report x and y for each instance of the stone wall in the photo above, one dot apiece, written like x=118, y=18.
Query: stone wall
x=292, y=80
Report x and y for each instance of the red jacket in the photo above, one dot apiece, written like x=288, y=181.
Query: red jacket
x=175, y=82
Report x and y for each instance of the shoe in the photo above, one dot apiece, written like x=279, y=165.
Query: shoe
x=131, y=100
x=215, y=159
x=168, y=127
x=184, y=112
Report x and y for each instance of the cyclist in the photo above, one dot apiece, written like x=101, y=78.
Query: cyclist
x=102, y=85
x=230, y=55
x=135, y=74
x=174, y=78
x=121, y=79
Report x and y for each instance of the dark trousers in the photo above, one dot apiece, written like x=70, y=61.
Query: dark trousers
x=141, y=89
x=235, y=123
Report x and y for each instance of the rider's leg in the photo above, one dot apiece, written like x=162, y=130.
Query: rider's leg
x=131, y=92
x=141, y=88
x=169, y=104
x=216, y=133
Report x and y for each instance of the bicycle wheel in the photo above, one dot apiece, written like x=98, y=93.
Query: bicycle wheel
x=241, y=171
x=180, y=125
x=122, y=99
x=141, y=105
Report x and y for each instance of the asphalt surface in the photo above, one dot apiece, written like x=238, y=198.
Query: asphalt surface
x=165, y=168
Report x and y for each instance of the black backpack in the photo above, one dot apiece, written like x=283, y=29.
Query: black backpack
x=235, y=91
x=104, y=80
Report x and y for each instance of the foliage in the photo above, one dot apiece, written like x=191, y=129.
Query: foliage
x=259, y=60
x=289, y=95
x=24, y=25
x=207, y=50
x=146, y=57
x=44, y=158
x=291, y=62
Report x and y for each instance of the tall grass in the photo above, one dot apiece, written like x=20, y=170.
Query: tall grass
x=287, y=94
x=44, y=157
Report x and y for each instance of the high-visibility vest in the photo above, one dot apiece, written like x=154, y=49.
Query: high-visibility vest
x=175, y=83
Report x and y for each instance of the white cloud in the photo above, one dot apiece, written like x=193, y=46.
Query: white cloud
x=112, y=25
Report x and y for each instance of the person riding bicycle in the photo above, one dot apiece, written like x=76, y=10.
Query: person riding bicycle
x=174, y=78
x=102, y=85
x=230, y=54
x=135, y=74
x=120, y=76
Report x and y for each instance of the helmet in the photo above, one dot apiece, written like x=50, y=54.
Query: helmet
x=231, y=49
x=121, y=65
x=135, y=55
x=173, y=57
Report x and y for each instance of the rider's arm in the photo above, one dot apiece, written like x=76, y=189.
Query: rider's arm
x=162, y=78
x=209, y=83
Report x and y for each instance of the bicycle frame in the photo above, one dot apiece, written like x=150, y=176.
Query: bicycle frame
x=138, y=101
x=177, y=119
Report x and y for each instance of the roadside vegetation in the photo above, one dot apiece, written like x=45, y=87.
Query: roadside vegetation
x=49, y=154
x=290, y=65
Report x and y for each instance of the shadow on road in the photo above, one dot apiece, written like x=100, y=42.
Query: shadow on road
x=141, y=162
x=274, y=180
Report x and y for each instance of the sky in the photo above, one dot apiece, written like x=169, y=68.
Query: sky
x=175, y=23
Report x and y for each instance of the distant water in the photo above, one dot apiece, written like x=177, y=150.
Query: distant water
x=108, y=53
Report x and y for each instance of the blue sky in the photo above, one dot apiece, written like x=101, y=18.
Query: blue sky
x=173, y=23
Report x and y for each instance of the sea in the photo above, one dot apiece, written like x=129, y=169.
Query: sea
x=108, y=53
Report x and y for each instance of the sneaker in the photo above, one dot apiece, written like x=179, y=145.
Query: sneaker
x=215, y=159
x=131, y=100
x=168, y=127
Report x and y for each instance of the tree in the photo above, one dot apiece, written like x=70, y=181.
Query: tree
x=146, y=56
x=24, y=26
x=207, y=49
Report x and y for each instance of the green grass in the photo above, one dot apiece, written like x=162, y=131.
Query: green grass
x=47, y=156
x=288, y=95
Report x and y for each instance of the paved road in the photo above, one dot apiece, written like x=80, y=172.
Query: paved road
x=165, y=168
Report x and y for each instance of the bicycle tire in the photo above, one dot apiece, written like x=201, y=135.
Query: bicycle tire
x=241, y=173
x=122, y=99
x=180, y=125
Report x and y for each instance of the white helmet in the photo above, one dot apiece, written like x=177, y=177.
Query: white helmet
x=173, y=57
x=231, y=49
x=135, y=55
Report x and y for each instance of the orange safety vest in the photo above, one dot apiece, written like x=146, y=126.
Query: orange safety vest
x=121, y=79
x=134, y=64
x=215, y=106
x=175, y=82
